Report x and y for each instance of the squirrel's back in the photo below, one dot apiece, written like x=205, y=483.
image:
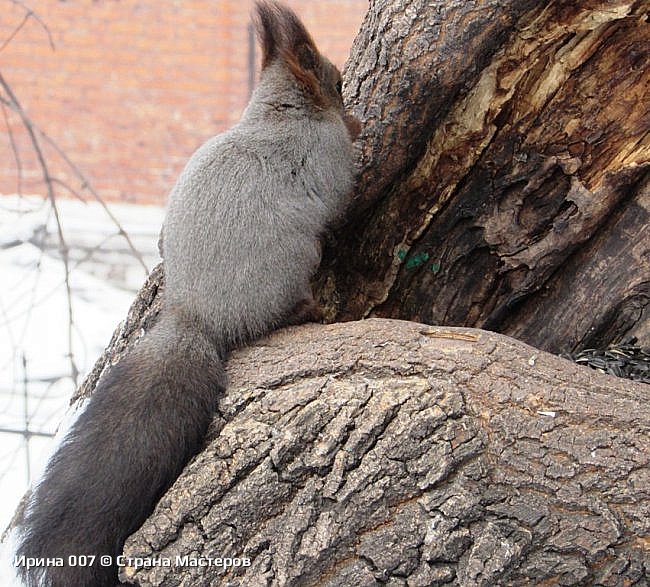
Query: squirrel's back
x=245, y=218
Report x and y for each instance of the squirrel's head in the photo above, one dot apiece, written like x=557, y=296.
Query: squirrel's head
x=283, y=37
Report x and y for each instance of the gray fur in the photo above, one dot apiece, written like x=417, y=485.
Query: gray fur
x=241, y=242
x=257, y=199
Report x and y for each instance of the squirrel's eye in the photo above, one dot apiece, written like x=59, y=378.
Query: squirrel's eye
x=339, y=87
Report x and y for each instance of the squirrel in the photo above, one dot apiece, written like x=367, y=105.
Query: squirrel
x=240, y=241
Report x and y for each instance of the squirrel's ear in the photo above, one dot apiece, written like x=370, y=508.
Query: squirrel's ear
x=283, y=35
x=300, y=46
x=269, y=30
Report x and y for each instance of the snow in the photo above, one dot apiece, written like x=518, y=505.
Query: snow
x=36, y=340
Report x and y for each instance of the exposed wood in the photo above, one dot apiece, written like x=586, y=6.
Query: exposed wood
x=393, y=452
x=504, y=182
x=504, y=170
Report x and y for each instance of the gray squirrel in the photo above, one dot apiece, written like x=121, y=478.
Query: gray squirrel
x=241, y=240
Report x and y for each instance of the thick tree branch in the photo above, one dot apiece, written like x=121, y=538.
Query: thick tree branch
x=392, y=451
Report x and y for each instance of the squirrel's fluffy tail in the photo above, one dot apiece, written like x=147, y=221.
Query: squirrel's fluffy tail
x=146, y=419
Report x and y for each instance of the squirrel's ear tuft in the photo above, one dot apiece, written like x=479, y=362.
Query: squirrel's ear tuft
x=268, y=31
x=283, y=35
x=281, y=32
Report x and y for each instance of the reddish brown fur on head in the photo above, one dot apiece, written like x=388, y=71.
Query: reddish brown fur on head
x=283, y=36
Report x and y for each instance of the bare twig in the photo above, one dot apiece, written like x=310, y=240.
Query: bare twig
x=15, y=31
x=14, y=150
x=85, y=184
x=15, y=105
x=29, y=13
x=34, y=130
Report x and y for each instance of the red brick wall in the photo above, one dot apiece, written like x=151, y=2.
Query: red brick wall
x=133, y=87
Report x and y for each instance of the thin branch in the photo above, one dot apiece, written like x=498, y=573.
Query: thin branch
x=29, y=13
x=66, y=186
x=15, y=105
x=14, y=149
x=85, y=184
x=39, y=139
x=10, y=336
x=98, y=247
x=15, y=31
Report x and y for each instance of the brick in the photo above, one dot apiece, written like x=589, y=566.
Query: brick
x=134, y=87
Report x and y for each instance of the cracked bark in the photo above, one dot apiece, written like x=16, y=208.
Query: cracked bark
x=504, y=170
x=391, y=452
x=503, y=184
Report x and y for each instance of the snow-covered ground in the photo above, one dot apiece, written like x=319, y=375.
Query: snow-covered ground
x=36, y=339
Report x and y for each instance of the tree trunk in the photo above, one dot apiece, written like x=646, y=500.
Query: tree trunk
x=503, y=184
x=392, y=452
x=504, y=170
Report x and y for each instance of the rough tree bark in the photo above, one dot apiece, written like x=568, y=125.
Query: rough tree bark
x=390, y=452
x=504, y=170
x=503, y=184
